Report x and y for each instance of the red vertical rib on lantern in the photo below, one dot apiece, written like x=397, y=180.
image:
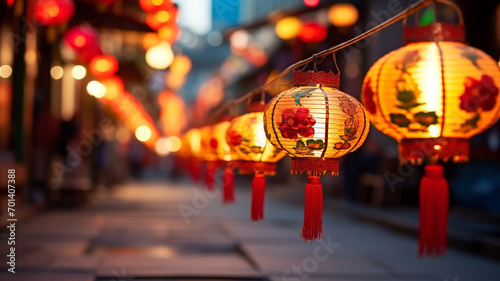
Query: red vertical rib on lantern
x=210, y=176
x=433, y=211
x=258, y=190
x=312, y=227
x=228, y=185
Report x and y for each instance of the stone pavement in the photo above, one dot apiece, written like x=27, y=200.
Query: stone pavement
x=139, y=233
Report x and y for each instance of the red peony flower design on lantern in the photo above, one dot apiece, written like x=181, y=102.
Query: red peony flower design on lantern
x=368, y=98
x=235, y=138
x=297, y=123
x=479, y=94
x=213, y=143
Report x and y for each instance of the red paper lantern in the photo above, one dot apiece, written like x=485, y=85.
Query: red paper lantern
x=103, y=66
x=149, y=6
x=53, y=12
x=162, y=17
x=313, y=33
x=315, y=124
x=84, y=40
x=432, y=95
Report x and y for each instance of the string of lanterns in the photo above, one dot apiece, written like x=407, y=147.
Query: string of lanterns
x=435, y=90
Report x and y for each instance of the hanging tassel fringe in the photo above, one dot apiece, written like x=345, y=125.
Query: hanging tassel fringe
x=312, y=227
x=210, y=177
x=258, y=191
x=228, y=185
x=433, y=212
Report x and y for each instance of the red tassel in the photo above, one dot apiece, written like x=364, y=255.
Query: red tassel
x=228, y=185
x=433, y=212
x=194, y=171
x=209, y=177
x=258, y=190
x=312, y=227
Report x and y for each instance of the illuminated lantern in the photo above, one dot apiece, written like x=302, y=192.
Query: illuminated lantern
x=84, y=40
x=114, y=87
x=288, y=28
x=343, y=14
x=192, y=152
x=160, y=56
x=313, y=33
x=169, y=33
x=181, y=65
x=315, y=124
x=161, y=18
x=225, y=158
x=432, y=95
x=154, y=5
x=248, y=143
x=172, y=114
x=53, y=12
x=103, y=66
x=149, y=40
x=208, y=148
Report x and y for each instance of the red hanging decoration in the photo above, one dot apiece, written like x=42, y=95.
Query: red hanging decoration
x=53, y=12
x=210, y=176
x=258, y=191
x=433, y=211
x=228, y=185
x=312, y=227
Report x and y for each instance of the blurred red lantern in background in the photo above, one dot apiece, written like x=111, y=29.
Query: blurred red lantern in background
x=103, y=66
x=313, y=33
x=162, y=17
x=154, y=5
x=84, y=39
x=53, y=12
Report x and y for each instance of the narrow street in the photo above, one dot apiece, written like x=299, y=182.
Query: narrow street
x=160, y=231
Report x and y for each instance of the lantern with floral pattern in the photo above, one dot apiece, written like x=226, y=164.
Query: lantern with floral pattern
x=432, y=95
x=315, y=124
x=248, y=143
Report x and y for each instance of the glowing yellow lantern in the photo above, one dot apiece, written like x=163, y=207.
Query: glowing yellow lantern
x=220, y=146
x=432, y=95
x=288, y=28
x=315, y=124
x=343, y=14
x=248, y=143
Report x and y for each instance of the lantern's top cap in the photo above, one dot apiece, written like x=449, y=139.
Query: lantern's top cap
x=437, y=31
x=258, y=106
x=329, y=79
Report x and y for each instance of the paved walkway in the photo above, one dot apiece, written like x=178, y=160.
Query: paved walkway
x=139, y=233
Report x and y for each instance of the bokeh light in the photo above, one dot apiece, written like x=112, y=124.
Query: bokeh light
x=143, y=133
x=5, y=71
x=288, y=28
x=56, y=72
x=343, y=14
x=96, y=89
x=160, y=56
x=174, y=143
x=79, y=72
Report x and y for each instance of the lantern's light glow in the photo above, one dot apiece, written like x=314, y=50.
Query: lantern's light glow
x=160, y=56
x=149, y=40
x=173, y=143
x=114, y=87
x=79, y=72
x=443, y=92
x=247, y=139
x=343, y=14
x=313, y=33
x=311, y=3
x=181, y=65
x=5, y=71
x=56, y=72
x=103, y=66
x=288, y=28
x=96, y=89
x=162, y=147
x=143, y=133
x=240, y=39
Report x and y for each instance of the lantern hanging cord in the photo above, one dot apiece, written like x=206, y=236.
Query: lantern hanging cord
x=320, y=56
